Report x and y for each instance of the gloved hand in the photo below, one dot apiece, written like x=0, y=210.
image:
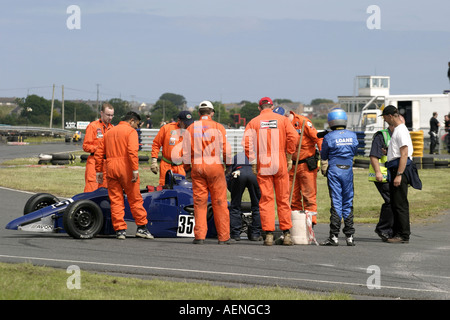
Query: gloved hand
x=254, y=164
x=289, y=161
x=324, y=167
x=99, y=177
x=135, y=176
x=322, y=134
x=236, y=173
x=154, y=166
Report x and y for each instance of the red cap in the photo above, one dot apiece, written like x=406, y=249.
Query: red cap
x=265, y=100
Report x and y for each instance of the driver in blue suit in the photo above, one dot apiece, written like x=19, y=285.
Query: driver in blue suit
x=338, y=149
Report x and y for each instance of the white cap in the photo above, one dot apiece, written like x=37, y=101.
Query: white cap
x=206, y=105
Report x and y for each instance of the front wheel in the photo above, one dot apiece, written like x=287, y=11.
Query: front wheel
x=39, y=201
x=83, y=219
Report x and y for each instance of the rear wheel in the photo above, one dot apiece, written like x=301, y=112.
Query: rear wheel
x=39, y=201
x=83, y=219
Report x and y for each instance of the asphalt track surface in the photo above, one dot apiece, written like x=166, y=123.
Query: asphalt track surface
x=370, y=270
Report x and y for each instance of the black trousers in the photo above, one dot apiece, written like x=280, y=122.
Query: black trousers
x=400, y=206
x=434, y=141
x=386, y=221
x=246, y=179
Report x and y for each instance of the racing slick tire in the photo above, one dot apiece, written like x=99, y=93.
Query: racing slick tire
x=83, y=219
x=39, y=201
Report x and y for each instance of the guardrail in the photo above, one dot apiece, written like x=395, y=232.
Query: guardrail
x=6, y=130
x=234, y=137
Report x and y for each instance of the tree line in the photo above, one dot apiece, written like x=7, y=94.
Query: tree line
x=35, y=111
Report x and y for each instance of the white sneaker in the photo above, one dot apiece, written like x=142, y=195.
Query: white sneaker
x=142, y=232
x=121, y=234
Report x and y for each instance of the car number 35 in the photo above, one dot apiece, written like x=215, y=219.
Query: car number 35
x=186, y=225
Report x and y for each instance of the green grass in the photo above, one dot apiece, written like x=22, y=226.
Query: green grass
x=28, y=282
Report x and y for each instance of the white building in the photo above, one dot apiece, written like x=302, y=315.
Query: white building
x=373, y=93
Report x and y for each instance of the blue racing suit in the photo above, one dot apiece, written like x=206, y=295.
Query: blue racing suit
x=339, y=147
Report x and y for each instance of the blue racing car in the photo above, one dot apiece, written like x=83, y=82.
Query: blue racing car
x=170, y=212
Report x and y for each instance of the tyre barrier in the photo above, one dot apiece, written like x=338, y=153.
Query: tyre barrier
x=67, y=158
x=430, y=163
x=144, y=159
x=418, y=162
x=361, y=143
x=63, y=156
x=417, y=141
x=365, y=142
x=61, y=162
x=45, y=157
x=83, y=158
x=56, y=159
x=361, y=163
x=441, y=164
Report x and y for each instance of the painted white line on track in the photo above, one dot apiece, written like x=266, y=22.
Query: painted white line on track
x=29, y=192
x=9, y=189
x=217, y=273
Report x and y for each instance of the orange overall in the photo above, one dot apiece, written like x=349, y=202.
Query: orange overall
x=205, y=147
x=169, y=138
x=95, y=132
x=267, y=138
x=120, y=146
x=305, y=188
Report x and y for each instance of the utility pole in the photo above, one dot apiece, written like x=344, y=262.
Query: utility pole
x=98, y=107
x=62, y=108
x=53, y=103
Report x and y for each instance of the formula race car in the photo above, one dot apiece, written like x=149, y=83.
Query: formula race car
x=170, y=211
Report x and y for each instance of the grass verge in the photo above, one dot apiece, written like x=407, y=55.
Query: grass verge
x=27, y=282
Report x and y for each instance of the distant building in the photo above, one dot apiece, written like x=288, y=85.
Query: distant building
x=11, y=104
x=8, y=102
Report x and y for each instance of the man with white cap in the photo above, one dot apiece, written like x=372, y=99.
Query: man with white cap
x=206, y=149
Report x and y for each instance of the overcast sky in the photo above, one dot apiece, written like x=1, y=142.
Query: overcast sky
x=224, y=50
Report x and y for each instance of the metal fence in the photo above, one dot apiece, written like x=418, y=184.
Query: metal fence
x=32, y=131
x=234, y=137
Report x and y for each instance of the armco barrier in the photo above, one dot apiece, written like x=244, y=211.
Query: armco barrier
x=234, y=137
